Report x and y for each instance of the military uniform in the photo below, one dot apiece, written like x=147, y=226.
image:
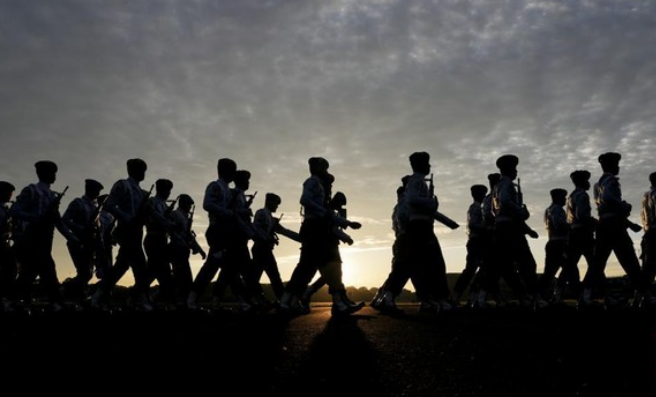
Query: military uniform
x=81, y=217
x=37, y=208
x=581, y=240
x=181, y=244
x=158, y=227
x=127, y=203
x=555, y=221
x=612, y=234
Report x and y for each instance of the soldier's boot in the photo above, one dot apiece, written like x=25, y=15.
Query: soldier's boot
x=357, y=306
x=378, y=298
x=540, y=303
x=96, y=298
x=285, y=305
x=480, y=301
x=558, y=295
x=388, y=304
x=306, y=298
x=341, y=305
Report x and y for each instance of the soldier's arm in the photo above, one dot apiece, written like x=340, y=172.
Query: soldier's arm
x=70, y=215
x=342, y=236
x=415, y=195
x=509, y=204
x=475, y=221
x=310, y=189
x=21, y=209
x=159, y=218
x=113, y=200
x=214, y=202
x=612, y=195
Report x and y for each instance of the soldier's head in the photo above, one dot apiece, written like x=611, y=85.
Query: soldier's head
x=338, y=200
x=6, y=191
x=137, y=169
x=92, y=188
x=478, y=192
x=46, y=171
x=272, y=201
x=610, y=162
x=420, y=162
x=493, y=179
x=226, y=169
x=652, y=179
x=507, y=165
x=242, y=179
x=185, y=202
x=318, y=166
x=558, y=196
x=581, y=179
x=163, y=188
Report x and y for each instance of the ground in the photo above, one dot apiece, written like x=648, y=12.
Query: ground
x=503, y=352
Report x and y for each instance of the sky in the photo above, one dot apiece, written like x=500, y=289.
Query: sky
x=364, y=83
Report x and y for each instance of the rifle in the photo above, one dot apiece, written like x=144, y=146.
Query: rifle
x=193, y=243
x=520, y=200
x=171, y=206
x=57, y=201
x=250, y=199
x=445, y=220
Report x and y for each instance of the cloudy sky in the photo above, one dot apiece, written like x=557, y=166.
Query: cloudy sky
x=364, y=83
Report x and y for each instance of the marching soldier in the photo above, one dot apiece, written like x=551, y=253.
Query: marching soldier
x=511, y=248
x=262, y=250
x=105, y=254
x=127, y=202
x=648, y=216
x=8, y=266
x=424, y=251
x=385, y=298
x=315, y=234
x=476, y=228
x=37, y=208
x=81, y=217
x=217, y=203
x=182, y=244
x=612, y=234
x=581, y=239
x=158, y=227
x=237, y=271
x=555, y=221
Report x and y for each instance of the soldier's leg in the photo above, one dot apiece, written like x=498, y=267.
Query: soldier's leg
x=8, y=273
x=626, y=255
x=82, y=262
x=273, y=273
x=472, y=262
x=595, y=277
x=552, y=263
x=649, y=257
x=49, y=280
x=181, y=271
x=159, y=267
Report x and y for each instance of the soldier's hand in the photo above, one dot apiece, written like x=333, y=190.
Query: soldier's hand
x=533, y=234
x=354, y=225
x=349, y=241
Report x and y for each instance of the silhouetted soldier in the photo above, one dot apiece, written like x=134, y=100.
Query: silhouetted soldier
x=37, y=208
x=512, y=251
x=488, y=273
x=612, y=234
x=182, y=244
x=385, y=299
x=127, y=202
x=424, y=251
x=582, y=224
x=476, y=228
x=81, y=217
x=237, y=272
x=555, y=221
x=648, y=216
x=336, y=204
x=264, y=261
x=105, y=254
x=8, y=266
x=316, y=232
x=158, y=226
x=217, y=203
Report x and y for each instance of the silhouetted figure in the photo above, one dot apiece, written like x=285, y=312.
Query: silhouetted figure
x=488, y=274
x=127, y=202
x=648, y=243
x=385, y=298
x=555, y=221
x=8, y=266
x=105, y=254
x=37, y=208
x=316, y=246
x=424, y=251
x=582, y=224
x=476, y=228
x=612, y=234
x=336, y=204
x=264, y=261
x=512, y=251
x=237, y=271
x=158, y=227
x=182, y=244
x=81, y=217
x=217, y=203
